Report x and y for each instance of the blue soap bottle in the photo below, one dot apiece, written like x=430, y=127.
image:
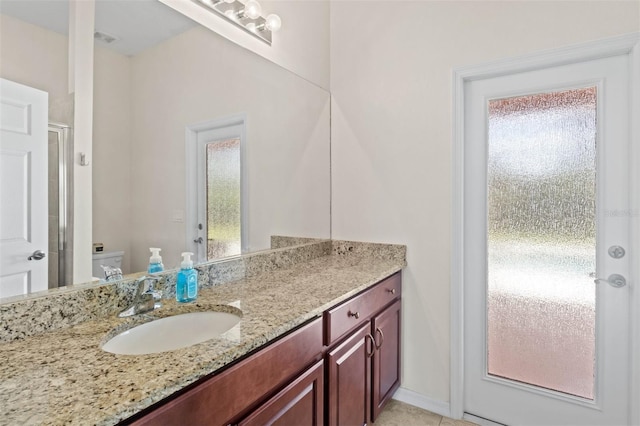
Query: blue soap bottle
x=187, y=282
x=155, y=261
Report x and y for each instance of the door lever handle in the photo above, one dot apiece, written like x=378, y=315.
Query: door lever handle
x=614, y=280
x=37, y=255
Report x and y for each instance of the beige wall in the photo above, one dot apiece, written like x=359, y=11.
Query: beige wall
x=40, y=58
x=143, y=105
x=288, y=135
x=302, y=45
x=112, y=153
x=391, y=84
x=26, y=50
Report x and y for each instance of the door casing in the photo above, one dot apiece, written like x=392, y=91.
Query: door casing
x=193, y=210
x=628, y=44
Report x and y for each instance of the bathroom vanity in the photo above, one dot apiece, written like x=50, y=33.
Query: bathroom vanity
x=319, y=342
x=352, y=343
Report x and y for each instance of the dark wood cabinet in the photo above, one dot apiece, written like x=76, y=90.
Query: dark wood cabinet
x=338, y=370
x=349, y=379
x=227, y=396
x=345, y=317
x=301, y=403
x=363, y=370
x=386, y=358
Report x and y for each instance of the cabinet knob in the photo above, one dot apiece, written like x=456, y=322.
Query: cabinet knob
x=356, y=315
x=391, y=290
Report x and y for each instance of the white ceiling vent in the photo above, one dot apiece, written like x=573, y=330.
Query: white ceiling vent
x=104, y=37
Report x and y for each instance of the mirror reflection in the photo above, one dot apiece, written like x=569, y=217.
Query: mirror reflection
x=223, y=206
x=167, y=94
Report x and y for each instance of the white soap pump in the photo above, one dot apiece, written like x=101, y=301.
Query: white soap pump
x=155, y=261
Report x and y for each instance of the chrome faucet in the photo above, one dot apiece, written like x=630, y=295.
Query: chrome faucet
x=147, y=297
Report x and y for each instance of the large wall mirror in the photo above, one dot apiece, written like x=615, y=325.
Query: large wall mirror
x=160, y=79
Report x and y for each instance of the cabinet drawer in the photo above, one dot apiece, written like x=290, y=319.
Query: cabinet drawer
x=348, y=315
x=223, y=397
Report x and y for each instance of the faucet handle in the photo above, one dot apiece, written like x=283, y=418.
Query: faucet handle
x=146, y=284
x=147, y=298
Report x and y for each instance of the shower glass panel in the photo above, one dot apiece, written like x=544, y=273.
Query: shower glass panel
x=60, y=205
x=54, y=207
x=224, y=236
x=542, y=240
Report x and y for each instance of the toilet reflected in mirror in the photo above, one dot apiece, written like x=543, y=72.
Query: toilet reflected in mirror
x=105, y=258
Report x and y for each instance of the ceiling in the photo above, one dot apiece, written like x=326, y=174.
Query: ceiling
x=136, y=24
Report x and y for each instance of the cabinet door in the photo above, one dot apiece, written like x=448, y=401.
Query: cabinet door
x=386, y=360
x=349, y=379
x=229, y=394
x=301, y=403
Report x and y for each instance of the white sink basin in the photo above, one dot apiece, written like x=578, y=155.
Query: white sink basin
x=170, y=333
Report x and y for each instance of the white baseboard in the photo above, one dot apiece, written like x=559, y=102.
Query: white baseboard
x=414, y=398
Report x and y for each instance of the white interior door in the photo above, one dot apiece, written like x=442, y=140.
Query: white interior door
x=23, y=189
x=546, y=199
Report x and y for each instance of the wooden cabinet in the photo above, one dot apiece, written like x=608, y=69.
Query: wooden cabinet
x=363, y=370
x=386, y=358
x=349, y=379
x=338, y=370
x=225, y=397
x=300, y=403
x=345, y=317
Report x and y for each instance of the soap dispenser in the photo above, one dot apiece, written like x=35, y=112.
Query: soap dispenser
x=187, y=282
x=155, y=261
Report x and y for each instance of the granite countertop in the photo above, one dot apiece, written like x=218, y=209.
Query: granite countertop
x=63, y=377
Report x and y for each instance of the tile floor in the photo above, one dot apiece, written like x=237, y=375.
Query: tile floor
x=398, y=413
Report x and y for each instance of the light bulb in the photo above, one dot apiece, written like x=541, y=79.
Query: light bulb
x=230, y=14
x=229, y=1
x=251, y=26
x=273, y=22
x=252, y=9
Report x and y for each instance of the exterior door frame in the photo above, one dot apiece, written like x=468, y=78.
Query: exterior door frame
x=628, y=44
x=191, y=146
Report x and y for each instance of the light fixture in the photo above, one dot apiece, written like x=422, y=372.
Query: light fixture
x=273, y=22
x=252, y=9
x=247, y=15
x=211, y=3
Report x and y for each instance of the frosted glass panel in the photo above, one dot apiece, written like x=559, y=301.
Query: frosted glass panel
x=541, y=240
x=223, y=199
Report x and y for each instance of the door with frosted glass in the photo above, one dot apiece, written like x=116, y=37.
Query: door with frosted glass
x=224, y=236
x=220, y=188
x=546, y=216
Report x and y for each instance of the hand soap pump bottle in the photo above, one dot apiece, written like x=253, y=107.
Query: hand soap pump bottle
x=155, y=261
x=187, y=282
